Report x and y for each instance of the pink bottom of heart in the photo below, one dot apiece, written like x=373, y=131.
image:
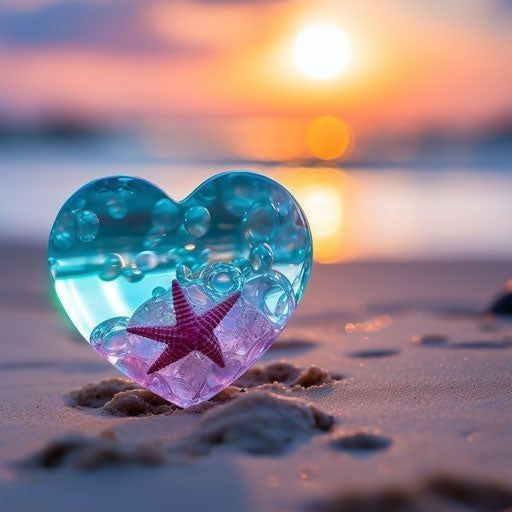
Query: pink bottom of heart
x=244, y=335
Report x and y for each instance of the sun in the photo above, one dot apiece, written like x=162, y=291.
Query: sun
x=321, y=51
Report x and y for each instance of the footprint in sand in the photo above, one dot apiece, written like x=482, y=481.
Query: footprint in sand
x=84, y=453
x=360, y=442
x=292, y=345
x=430, y=340
x=441, y=492
x=482, y=345
x=440, y=340
x=257, y=423
x=67, y=367
x=374, y=353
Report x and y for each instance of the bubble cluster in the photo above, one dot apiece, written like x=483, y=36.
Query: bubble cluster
x=154, y=237
x=87, y=225
x=183, y=274
x=132, y=274
x=197, y=295
x=282, y=202
x=260, y=222
x=167, y=214
x=273, y=295
x=111, y=339
x=146, y=260
x=292, y=241
x=117, y=207
x=261, y=257
x=221, y=279
x=110, y=267
x=197, y=221
x=158, y=291
x=64, y=232
x=239, y=193
x=244, y=265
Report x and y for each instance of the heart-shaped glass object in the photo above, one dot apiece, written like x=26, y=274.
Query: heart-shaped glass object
x=181, y=296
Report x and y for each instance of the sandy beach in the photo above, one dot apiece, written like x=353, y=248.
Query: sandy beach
x=414, y=390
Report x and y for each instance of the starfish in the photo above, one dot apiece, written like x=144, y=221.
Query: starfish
x=191, y=332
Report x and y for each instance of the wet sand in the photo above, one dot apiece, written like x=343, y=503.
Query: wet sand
x=410, y=399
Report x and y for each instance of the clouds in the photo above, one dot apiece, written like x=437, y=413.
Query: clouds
x=412, y=62
x=118, y=26
x=178, y=27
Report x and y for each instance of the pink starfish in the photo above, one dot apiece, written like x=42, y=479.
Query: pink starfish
x=190, y=332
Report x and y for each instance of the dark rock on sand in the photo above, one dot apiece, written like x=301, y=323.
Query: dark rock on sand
x=502, y=306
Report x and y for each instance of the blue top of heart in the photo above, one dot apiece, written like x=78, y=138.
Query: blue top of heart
x=119, y=241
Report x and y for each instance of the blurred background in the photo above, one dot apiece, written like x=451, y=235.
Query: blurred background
x=390, y=121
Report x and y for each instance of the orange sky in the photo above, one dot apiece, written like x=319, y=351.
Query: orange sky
x=411, y=65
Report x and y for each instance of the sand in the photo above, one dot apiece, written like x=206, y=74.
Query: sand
x=409, y=404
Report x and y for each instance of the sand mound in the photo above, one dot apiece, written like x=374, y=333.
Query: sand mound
x=137, y=402
x=122, y=398
x=96, y=395
x=260, y=422
x=91, y=453
x=443, y=493
x=287, y=374
x=360, y=441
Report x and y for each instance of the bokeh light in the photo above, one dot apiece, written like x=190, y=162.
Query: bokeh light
x=329, y=137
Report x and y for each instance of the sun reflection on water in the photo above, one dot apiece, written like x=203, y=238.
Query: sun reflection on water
x=322, y=193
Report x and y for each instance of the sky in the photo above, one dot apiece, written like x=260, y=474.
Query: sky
x=413, y=64
x=281, y=83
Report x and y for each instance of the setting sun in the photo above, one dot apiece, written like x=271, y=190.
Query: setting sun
x=321, y=51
